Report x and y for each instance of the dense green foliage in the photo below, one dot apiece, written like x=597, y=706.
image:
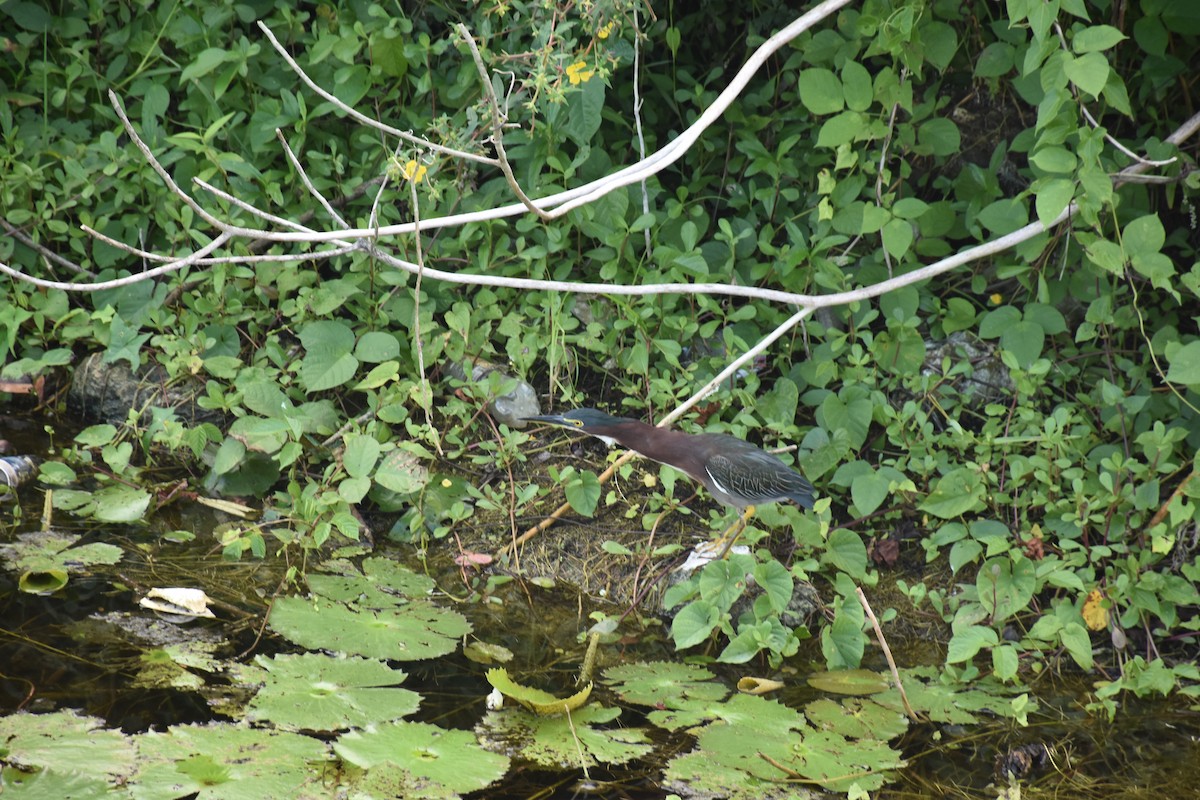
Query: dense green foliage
x=1028, y=414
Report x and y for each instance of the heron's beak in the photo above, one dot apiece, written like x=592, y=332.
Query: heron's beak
x=551, y=419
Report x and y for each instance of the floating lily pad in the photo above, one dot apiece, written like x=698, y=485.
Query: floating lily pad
x=46, y=557
x=856, y=718
x=956, y=705
x=451, y=759
x=17, y=785
x=770, y=742
x=317, y=692
x=67, y=744
x=569, y=742
x=407, y=633
x=383, y=583
x=171, y=666
x=661, y=683
x=487, y=653
x=850, y=681
x=230, y=762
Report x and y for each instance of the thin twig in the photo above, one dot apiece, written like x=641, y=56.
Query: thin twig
x=637, y=114
x=308, y=184
x=887, y=652
x=497, y=125
x=363, y=118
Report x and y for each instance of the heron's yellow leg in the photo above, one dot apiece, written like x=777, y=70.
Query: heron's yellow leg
x=730, y=537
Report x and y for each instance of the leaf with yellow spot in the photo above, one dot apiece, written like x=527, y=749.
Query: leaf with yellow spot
x=1095, y=614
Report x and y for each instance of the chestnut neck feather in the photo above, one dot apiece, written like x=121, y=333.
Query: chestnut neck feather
x=663, y=445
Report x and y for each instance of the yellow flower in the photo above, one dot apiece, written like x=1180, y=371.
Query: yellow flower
x=607, y=29
x=414, y=172
x=996, y=299
x=578, y=72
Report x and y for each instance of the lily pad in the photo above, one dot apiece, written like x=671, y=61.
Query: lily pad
x=450, y=758
x=571, y=741
x=68, y=744
x=16, y=785
x=771, y=743
x=383, y=583
x=171, y=666
x=661, y=683
x=956, y=705
x=46, y=557
x=318, y=692
x=856, y=718
x=850, y=681
x=228, y=761
x=407, y=633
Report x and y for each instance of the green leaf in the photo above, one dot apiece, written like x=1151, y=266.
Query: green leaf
x=955, y=494
x=204, y=63
x=909, y=208
x=841, y=129
x=968, y=641
x=96, y=435
x=856, y=85
x=1025, y=341
x=1144, y=235
x=438, y=761
x=1078, y=642
x=1004, y=216
x=1096, y=37
x=960, y=315
x=776, y=582
x=536, y=700
x=997, y=321
x=1005, y=661
x=121, y=504
x=1185, y=364
x=664, y=683
x=843, y=642
x=375, y=346
x=360, y=455
x=583, y=492
x=846, y=551
x=820, y=91
x=415, y=631
x=319, y=692
x=387, y=53
x=584, y=109
x=694, y=624
x=1005, y=586
x=996, y=59
x=567, y=743
x=328, y=361
x=56, y=473
x=897, y=237
x=1106, y=255
x=849, y=682
x=868, y=492
x=1089, y=72
x=64, y=742
x=402, y=472
x=939, y=137
x=1054, y=159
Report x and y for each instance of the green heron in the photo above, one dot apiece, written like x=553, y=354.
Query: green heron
x=735, y=472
